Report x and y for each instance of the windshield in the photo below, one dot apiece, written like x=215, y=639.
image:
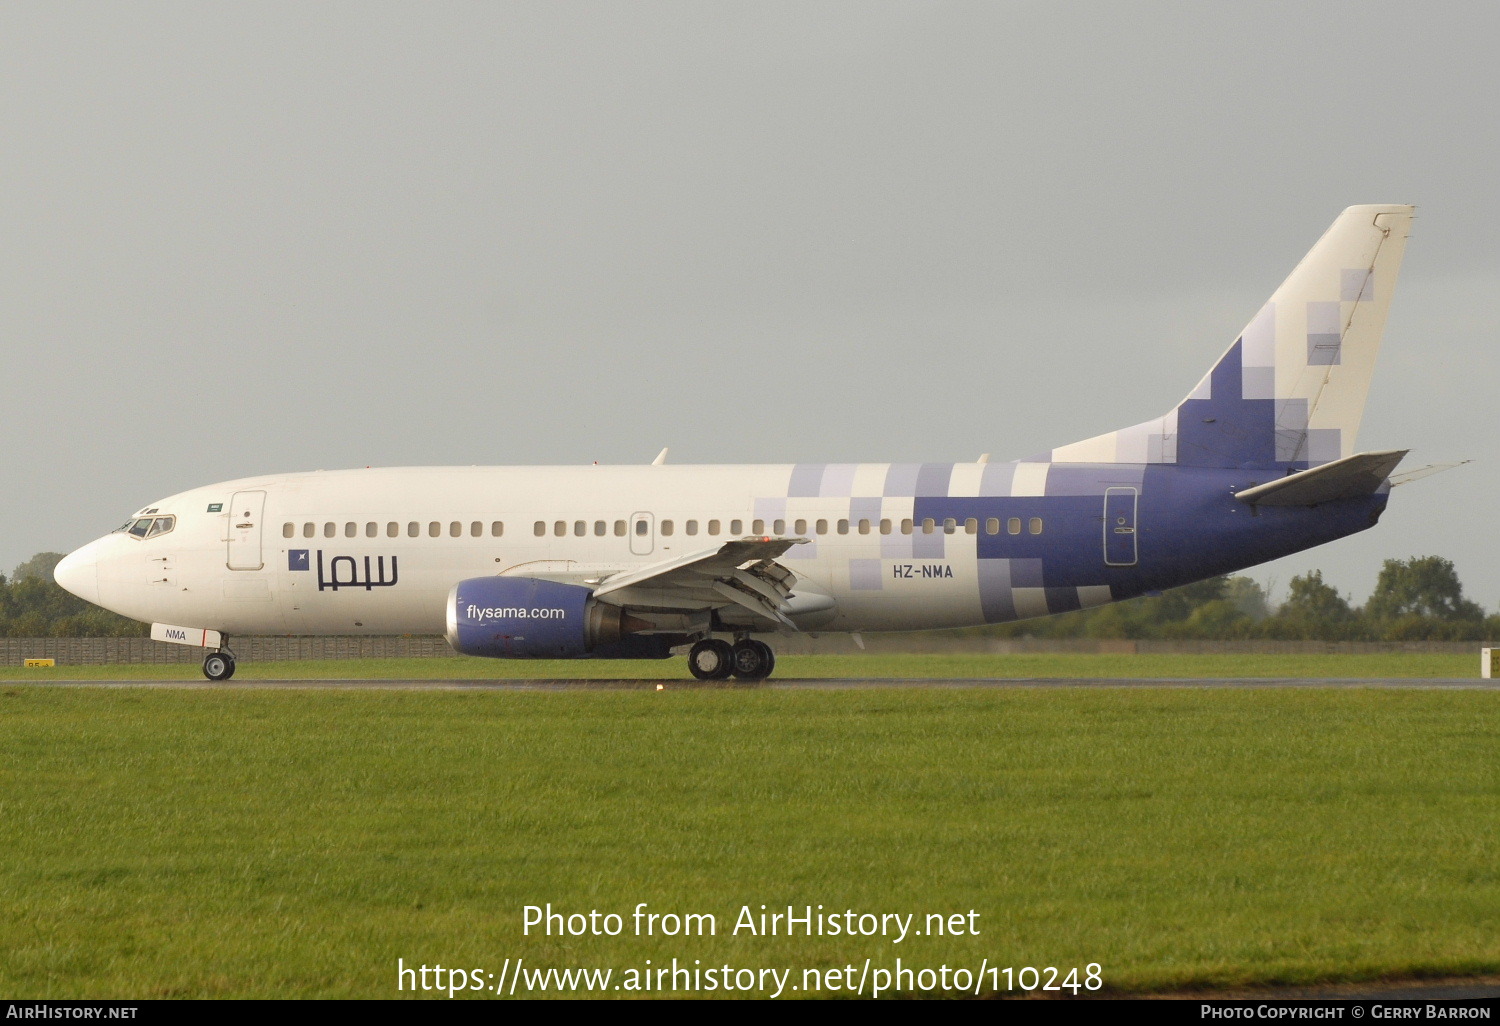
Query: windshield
x=147, y=527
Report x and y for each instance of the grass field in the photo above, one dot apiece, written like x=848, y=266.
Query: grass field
x=244, y=842
x=1379, y=665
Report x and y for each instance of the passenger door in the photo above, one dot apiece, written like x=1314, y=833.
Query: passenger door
x=245, y=510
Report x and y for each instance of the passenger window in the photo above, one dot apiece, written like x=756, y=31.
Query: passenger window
x=691, y=527
x=308, y=530
x=455, y=529
x=779, y=527
x=350, y=529
x=906, y=527
x=843, y=527
x=757, y=527
x=600, y=528
x=821, y=527
x=434, y=529
x=801, y=526
x=885, y=527
x=288, y=530
x=619, y=528
x=736, y=527
x=541, y=528
x=992, y=525
x=666, y=528
x=713, y=527
x=580, y=528
x=1036, y=525
x=928, y=524
x=497, y=529
x=328, y=530
x=372, y=529
x=413, y=529
x=641, y=528
x=476, y=529
x=949, y=525
x=560, y=528
x=864, y=527
x=392, y=529
x=971, y=526
x=1013, y=525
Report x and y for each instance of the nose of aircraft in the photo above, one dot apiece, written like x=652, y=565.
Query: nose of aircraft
x=79, y=573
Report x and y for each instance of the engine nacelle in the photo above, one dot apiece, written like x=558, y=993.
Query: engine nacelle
x=529, y=618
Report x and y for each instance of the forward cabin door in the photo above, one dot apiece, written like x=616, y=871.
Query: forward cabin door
x=245, y=511
x=1119, y=526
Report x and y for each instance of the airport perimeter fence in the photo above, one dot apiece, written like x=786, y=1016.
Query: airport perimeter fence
x=95, y=651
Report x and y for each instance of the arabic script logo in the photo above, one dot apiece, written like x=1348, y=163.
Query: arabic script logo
x=367, y=572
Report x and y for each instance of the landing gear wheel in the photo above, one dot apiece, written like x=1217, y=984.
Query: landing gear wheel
x=769, y=656
x=752, y=660
x=218, y=666
x=711, y=659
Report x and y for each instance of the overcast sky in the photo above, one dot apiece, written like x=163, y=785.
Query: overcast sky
x=244, y=238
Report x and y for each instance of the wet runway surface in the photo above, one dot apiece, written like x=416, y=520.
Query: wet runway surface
x=824, y=684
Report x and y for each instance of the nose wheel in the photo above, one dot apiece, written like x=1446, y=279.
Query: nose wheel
x=218, y=665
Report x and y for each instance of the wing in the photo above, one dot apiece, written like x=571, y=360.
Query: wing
x=742, y=573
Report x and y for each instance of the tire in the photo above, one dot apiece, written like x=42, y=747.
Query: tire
x=710, y=660
x=750, y=660
x=218, y=666
x=768, y=655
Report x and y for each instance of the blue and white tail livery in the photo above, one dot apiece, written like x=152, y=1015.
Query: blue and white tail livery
x=1257, y=462
x=1291, y=390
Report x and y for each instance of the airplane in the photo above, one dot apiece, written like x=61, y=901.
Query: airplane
x=636, y=562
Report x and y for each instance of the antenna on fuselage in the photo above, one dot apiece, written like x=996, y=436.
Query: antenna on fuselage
x=661, y=457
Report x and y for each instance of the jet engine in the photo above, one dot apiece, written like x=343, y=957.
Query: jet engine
x=529, y=618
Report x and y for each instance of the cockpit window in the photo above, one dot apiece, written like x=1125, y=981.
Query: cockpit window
x=148, y=527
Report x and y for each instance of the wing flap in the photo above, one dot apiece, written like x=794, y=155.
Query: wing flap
x=742, y=573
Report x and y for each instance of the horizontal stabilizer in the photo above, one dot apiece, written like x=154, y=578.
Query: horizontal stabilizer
x=1348, y=478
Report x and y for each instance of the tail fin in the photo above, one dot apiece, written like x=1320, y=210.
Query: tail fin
x=1291, y=390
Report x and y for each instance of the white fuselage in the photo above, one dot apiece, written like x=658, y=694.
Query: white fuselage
x=252, y=565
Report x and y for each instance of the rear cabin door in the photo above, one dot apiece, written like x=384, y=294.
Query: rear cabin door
x=245, y=511
x=1119, y=526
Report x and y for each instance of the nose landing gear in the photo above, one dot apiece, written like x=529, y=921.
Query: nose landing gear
x=219, y=665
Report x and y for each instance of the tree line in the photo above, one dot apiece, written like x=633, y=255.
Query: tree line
x=33, y=605
x=1417, y=599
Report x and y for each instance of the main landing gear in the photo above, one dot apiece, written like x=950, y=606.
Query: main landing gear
x=219, y=665
x=746, y=659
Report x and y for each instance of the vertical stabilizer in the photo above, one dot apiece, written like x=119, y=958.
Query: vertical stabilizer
x=1291, y=390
